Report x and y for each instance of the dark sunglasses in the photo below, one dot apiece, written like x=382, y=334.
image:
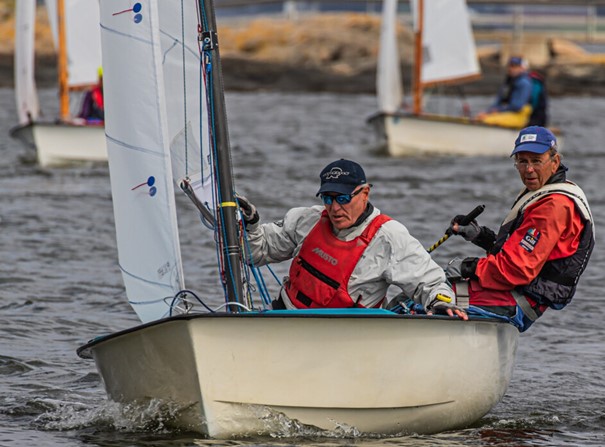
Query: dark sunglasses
x=341, y=199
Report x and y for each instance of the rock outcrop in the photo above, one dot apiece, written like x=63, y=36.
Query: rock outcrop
x=338, y=52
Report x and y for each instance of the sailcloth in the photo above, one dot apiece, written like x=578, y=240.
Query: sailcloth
x=388, y=80
x=153, y=97
x=83, y=39
x=448, y=46
x=26, y=96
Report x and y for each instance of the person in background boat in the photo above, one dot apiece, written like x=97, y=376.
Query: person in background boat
x=542, y=247
x=512, y=107
x=93, y=110
x=345, y=252
x=539, y=100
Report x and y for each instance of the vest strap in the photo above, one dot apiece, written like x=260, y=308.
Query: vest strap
x=524, y=305
x=462, y=295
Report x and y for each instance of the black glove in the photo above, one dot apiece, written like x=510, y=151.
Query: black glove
x=480, y=236
x=468, y=232
x=249, y=213
x=459, y=268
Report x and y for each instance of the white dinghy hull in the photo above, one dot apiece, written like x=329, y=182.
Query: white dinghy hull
x=407, y=135
x=63, y=144
x=372, y=371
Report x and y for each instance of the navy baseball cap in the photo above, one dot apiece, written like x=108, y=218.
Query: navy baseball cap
x=515, y=61
x=534, y=139
x=341, y=176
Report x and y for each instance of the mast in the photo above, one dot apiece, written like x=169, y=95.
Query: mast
x=62, y=62
x=227, y=206
x=418, y=58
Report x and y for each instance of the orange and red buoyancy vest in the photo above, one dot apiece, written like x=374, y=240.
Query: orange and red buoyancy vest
x=319, y=274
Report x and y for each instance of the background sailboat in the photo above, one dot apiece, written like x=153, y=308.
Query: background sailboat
x=241, y=370
x=444, y=53
x=75, y=25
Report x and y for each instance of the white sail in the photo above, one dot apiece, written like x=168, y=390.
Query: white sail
x=26, y=96
x=448, y=46
x=83, y=39
x=146, y=119
x=388, y=79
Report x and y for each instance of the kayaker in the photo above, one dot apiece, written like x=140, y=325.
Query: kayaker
x=345, y=252
x=542, y=246
x=512, y=107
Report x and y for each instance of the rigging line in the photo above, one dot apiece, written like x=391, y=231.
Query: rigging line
x=226, y=260
x=233, y=303
x=212, y=151
x=265, y=298
x=184, y=292
x=273, y=273
x=207, y=47
x=203, y=14
x=262, y=287
x=186, y=134
x=206, y=86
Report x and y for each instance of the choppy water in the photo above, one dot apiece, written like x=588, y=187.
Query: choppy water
x=60, y=284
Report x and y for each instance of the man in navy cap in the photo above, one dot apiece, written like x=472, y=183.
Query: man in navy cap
x=345, y=252
x=512, y=107
x=542, y=247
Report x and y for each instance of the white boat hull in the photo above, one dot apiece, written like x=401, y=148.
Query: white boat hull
x=440, y=135
x=59, y=144
x=374, y=372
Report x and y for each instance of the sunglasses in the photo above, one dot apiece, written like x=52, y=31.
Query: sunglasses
x=341, y=199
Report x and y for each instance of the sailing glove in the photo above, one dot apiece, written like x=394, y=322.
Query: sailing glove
x=445, y=304
x=459, y=268
x=468, y=232
x=480, y=236
x=249, y=214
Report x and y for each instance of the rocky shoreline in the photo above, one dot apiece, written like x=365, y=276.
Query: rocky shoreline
x=337, y=53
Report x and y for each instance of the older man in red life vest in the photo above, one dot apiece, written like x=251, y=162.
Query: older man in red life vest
x=345, y=252
x=542, y=247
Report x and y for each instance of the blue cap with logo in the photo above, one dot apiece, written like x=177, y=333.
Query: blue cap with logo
x=515, y=60
x=341, y=176
x=534, y=139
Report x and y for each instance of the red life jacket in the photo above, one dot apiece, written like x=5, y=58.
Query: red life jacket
x=97, y=98
x=320, y=274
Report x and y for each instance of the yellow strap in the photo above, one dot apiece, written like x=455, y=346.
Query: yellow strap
x=444, y=298
x=226, y=204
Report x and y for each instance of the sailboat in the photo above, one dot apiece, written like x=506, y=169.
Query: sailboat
x=241, y=369
x=444, y=54
x=63, y=140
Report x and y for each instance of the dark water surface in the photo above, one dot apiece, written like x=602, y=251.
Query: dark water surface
x=60, y=284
